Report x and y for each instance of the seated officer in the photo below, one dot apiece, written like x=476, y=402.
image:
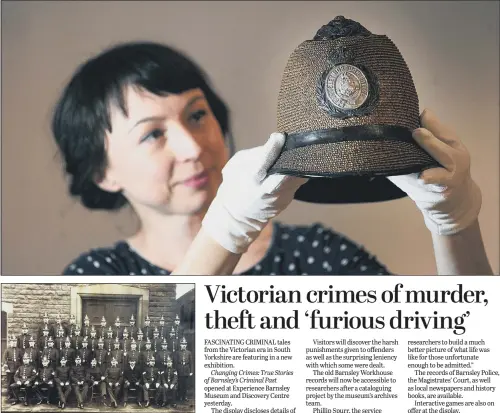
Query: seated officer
x=62, y=380
x=114, y=381
x=132, y=379
x=168, y=377
x=45, y=381
x=95, y=379
x=24, y=379
x=80, y=386
x=150, y=380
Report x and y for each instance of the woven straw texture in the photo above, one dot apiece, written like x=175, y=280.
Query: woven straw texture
x=298, y=108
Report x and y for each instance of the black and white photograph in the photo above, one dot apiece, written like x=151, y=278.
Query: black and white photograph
x=98, y=347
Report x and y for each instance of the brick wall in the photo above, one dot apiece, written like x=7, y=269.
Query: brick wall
x=31, y=301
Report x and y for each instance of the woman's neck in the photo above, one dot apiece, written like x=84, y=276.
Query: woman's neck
x=165, y=240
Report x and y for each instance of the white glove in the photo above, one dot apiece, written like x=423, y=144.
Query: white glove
x=447, y=197
x=157, y=385
x=248, y=199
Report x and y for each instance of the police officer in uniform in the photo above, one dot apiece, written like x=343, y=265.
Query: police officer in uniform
x=95, y=379
x=85, y=353
x=163, y=328
x=132, y=328
x=62, y=380
x=43, y=341
x=52, y=353
x=94, y=340
x=141, y=344
x=147, y=353
x=86, y=327
x=163, y=355
x=134, y=355
x=117, y=353
x=148, y=328
x=67, y=352
x=76, y=341
x=184, y=368
x=173, y=341
x=45, y=381
x=101, y=356
x=150, y=380
x=118, y=331
x=102, y=330
x=24, y=378
x=32, y=352
x=12, y=359
x=132, y=379
x=114, y=380
x=156, y=343
x=72, y=326
x=126, y=340
x=108, y=341
x=60, y=339
x=45, y=325
x=169, y=381
x=23, y=339
x=78, y=376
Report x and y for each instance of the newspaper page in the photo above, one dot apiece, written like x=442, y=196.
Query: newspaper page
x=384, y=345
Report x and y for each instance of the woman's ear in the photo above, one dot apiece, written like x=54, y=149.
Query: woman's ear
x=108, y=183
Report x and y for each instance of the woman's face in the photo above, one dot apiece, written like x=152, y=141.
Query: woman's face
x=167, y=154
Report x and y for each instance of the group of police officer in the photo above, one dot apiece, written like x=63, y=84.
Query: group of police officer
x=110, y=362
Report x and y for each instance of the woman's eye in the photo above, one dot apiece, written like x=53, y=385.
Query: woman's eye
x=155, y=134
x=198, y=115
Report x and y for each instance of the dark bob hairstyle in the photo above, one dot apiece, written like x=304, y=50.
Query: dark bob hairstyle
x=82, y=114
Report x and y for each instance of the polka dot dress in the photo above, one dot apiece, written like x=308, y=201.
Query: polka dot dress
x=295, y=250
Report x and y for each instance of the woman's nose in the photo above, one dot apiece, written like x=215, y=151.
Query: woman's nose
x=183, y=144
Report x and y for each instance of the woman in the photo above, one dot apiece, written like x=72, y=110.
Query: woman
x=140, y=125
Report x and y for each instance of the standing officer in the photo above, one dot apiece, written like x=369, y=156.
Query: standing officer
x=184, y=368
x=12, y=359
x=51, y=353
x=169, y=381
x=43, y=341
x=85, y=353
x=148, y=328
x=132, y=328
x=86, y=327
x=33, y=353
x=23, y=339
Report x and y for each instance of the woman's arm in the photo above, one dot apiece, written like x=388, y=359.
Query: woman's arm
x=449, y=200
x=461, y=253
x=245, y=202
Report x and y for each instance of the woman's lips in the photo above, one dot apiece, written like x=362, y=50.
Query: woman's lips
x=197, y=181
